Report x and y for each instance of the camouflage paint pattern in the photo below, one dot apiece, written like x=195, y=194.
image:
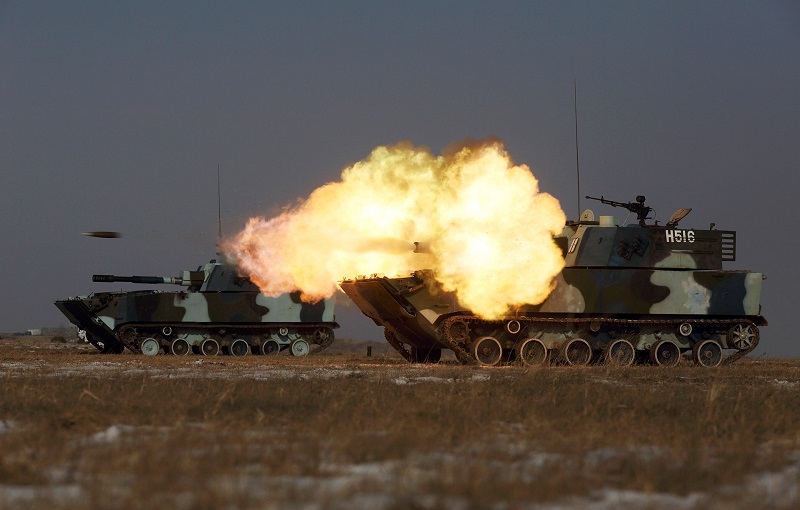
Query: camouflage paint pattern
x=218, y=305
x=643, y=284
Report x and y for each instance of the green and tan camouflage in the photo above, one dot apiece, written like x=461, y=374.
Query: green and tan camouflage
x=627, y=294
x=218, y=312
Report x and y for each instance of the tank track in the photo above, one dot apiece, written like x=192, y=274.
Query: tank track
x=320, y=335
x=454, y=342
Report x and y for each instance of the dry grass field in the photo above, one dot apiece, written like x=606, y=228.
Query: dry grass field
x=80, y=430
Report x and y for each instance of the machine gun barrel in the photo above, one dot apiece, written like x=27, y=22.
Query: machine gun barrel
x=110, y=278
x=610, y=202
x=642, y=211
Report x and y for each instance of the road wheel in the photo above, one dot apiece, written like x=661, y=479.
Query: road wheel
x=576, y=352
x=487, y=350
x=209, y=347
x=532, y=352
x=150, y=347
x=299, y=347
x=707, y=353
x=665, y=353
x=239, y=348
x=619, y=353
x=179, y=347
x=270, y=347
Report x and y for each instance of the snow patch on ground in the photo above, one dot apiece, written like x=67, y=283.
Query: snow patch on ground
x=223, y=370
x=403, y=380
x=112, y=434
x=31, y=496
x=7, y=426
x=413, y=380
x=609, y=499
x=384, y=485
x=781, y=487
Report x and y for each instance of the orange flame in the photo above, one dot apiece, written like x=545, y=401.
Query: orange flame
x=488, y=229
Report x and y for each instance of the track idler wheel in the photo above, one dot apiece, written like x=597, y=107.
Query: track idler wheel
x=487, y=350
x=707, y=353
x=743, y=336
x=665, y=353
x=323, y=337
x=576, y=352
x=619, y=353
x=532, y=352
x=179, y=347
x=239, y=348
x=209, y=347
x=150, y=347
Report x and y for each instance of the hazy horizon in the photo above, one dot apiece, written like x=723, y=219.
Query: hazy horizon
x=116, y=117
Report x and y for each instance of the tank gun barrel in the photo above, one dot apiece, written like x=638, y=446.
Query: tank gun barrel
x=110, y=278
x=642, y=211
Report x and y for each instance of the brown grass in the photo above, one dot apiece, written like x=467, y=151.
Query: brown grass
x=101, y=431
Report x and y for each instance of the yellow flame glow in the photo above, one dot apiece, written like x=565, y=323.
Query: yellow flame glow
x=487, y=227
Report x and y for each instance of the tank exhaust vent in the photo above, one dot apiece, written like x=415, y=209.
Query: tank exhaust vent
x=728, y=245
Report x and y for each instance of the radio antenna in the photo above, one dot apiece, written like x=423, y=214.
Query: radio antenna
x=577, y=152
x=219, y=207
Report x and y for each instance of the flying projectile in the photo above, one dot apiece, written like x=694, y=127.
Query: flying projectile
x=103, y=234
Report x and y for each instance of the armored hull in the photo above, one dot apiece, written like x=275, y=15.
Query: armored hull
x=626, y=294
x=220, y=312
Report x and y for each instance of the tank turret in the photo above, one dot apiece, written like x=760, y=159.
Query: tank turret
x=605, y=244
x=643, y=293
x=219, y=311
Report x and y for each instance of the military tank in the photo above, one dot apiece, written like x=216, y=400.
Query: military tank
x=218, y=312
x=640, y=293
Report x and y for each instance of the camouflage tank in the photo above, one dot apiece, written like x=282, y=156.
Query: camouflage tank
x=218, y=312
x=633, y=294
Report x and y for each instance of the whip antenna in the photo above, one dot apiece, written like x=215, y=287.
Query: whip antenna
x=219, y=207
x=577, y=153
